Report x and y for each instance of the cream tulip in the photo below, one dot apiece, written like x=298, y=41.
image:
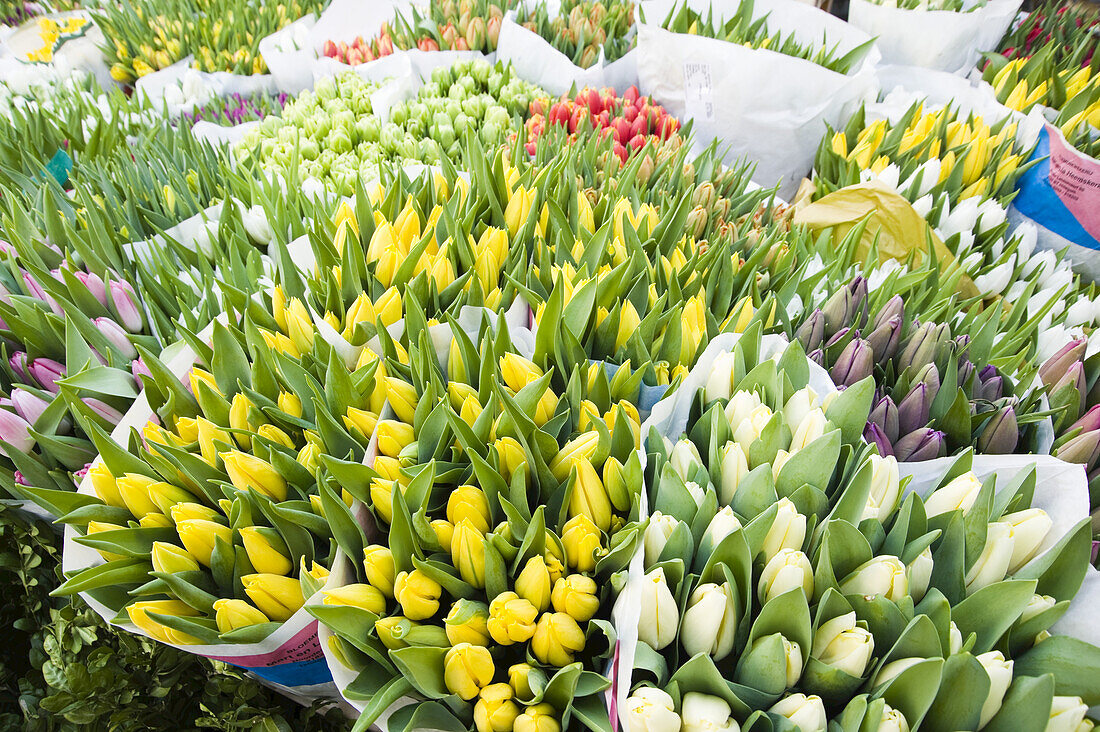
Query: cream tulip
x=1029, y=528
x=883, y=575
x=651, y=710
x=735, y=466
x=724, y=523
x=960, y=493
x=657, y=533
x=720, y=380
x=992, y=564
x=749, y=429
x=798, y=405
x=919, y=574
x=885, y=488
x=811, y=427
x=684, y=459
x=1067, y=714
x=706, y=713
x=741, y=406
x=842, y=644
x=710, y=621
x=787, y=570
x=999, y=672
x=806, y=712
x=659, y=617
x=787, y=531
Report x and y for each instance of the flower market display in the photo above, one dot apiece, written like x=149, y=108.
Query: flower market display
x=466, y=370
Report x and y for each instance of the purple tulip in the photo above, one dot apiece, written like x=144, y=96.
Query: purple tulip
x=27, y=405
x=839, y=336
x=46, y=372
x=817, y=356
x=930, y=377
x=1057, y=365
x=117, y=336
x=922, y=346
x=855, y=363
x=885, y=416
x=987, y=373
x=124, y=305
x=914, y=409
x=15, y=431
x=966, y=370
x=36, y=291
x=1001, y=433
x=1075, y=377
x=991, y=389
x=95, y=286
x=140, y=370
x=1089, y=421
x=18, y=363
x=5, y=294
x=1083, y=449
x=884, y=339
x=920, y=445
x=873, y=434
x=104, y=410
x=894, y=308
x=812, y=331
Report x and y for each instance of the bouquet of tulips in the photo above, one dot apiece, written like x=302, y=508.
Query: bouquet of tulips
x=1064, y=28
x=210, y=520
x=789, y=594
x=237, y=109
x=451, y=25
x=583, y=30
x=53, y=33
x=501, y=512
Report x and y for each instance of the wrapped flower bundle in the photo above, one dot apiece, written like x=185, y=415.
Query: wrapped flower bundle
x=583, y=30
x=238, y=109
x=451, y=25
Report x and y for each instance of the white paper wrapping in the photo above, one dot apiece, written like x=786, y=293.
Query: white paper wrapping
x=76, y=56
x=765, y=106
x=290, y=69
x=935, y=39
x=202, y=87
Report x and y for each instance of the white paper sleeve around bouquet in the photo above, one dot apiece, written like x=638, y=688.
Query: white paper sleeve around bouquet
x=535, y=60
x=936, y=39
x=289, y=660
x=1061, y=489
x=181, y=88
x=761, y=105
x=289, y=55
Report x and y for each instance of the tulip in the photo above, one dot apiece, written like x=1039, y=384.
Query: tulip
x=393, y=437
x=1029, y=528
x=885, y=488
x=1000, y=676
x=787, y=570
x=588, y=496
x=495, y=711
x=750, y=428
x=575, y=595
x=720, y=381
x=892, y=720
x=467, y=623
x=247, y=472
x=842, y=644
x=194, y=511
x=357, y=595
x=854, y=363
x=469, y=502
x=15, y=431
x=684, y=458
x=232, y=614
x=724, y=523
x=740, y=406
x=123, y=301
x=46, y=372
x=805, y=712
x=919, y=574
x=266, y=550
x=511, y=619
x=394, y=630
x=1067, y=714
x=417, y=593
x=706, y=713
x=996, y=557
x=467, y=669
x=954, y=639
x=884, y=414
x=657, y=533
x=381, y=495
x=468, y=553
x=107, y=413
x=922, y=346
x=1083, y=449
x=651, y=710
x=117, y=336
x=95, y=286
x=883, y=575
x=919, y=445
x=1055, y=367
x=138, y=613
x=735, y=466
x=277, y=597
x=788, y=530
x=884, y=339
x=1001, y=433
x=104, y=485
x=875, y=435
x=957, y=495
x=538, y=718
x=557, y=637
x=581, y=540
x=533, y=583
x=171, y=559
x=710, y=621
x=518, y=208
x=134, y=490
x=1036, y=605
x=913, y=412
x=581, y=447
x=812, y=331
x=812, y=426
x=378, y=565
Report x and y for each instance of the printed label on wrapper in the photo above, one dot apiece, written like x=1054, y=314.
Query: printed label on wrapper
x=1062, y=191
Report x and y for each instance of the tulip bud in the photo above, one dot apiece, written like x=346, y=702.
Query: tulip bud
x=104, y=485
x=511, y=619
x=557, y=637
x=657, y=534
x=1029, y=528
x=1000, y=676
x=788, y=530
x=842, y=644
x=417, y=593
x=919, y=445
x=913, y=412
x=46, y=372
x=198, y=537
x=15, y=431
x=538, y=718
x=659, y=616
x=467, y=623
x=812, y=426
x=232, y=614
x=706, y=713
x=581, y=447
x=533, y=583
x=495, y=711
x=919, y=574
x=884, y=339
x=277, y=597
x=884, y=415
x=117, y=337
x=651, y=710
x=124, y=305
x=138, y=613
x=741, y=405
x=379, y=568
x=684, y=459
x=581, y=540
x=1067, y=714
x=752, y=426
x=1055, y=367
x=575, y=595
x=892, y=721
x=357, y=595
x=959, y=494
x=885, y=488
x=588, y=496
x=735, y=466
x=467, y=669
x=724, y=523
x=720, y=381
x=710, y=621
x=469, y=502
x=1036, y=605
x=805, y=712
x=812, y=331
x=247, y=472
x=854, y=363
x=787, y=570
x=996, y=557
x=882, y=575
x=266, y=550
x=171, y=559
x=468, y=553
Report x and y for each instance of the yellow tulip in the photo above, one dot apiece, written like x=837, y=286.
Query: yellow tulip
x=467, y=669
x=134, y=490
x=417, y=593
x=250, y=472
x=469, y=503
x=103, y=483
x=581, y=539
x=394, y=436
x=231, y=614
x=557, y=637
x=519, y=207
x=170, y=559
x=238, y=419
x=361, y=422
x=138, y=613
x=533, y=583
x=588, y=496
x=266, y=550
x=357, y=595
x=198, y=537
x=468, y=553
x=467, y=623
x=575, y=596
x=495, y=711
x=277, y=597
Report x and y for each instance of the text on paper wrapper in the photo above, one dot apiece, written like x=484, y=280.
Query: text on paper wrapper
x=698, y=91
x=1076, y=180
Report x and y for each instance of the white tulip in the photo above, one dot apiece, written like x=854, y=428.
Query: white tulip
x=806, y=712
x=885, y=488
x=929, y=176
x=883, y=575
x=696, y=491
x=1029, y=528
x=256, y=224
x=710, y=621
x=651, y=710
x=809, y=429
x=992, y=565
x=844, y=645
x=1080, y=312
x=793, y=654
x=1036, y=605
x=892, y=721
x=919, y=574
x=740, y=406
x=720, y=381
x=999, y=672
x=788, y=531
x=954, y=639
x=684, y=459
x=994, y=281
x=657, y=533
x=960, y=493
x=1043, y=261
x=787, y=570
x=1067, y=714
x=706, y=713
x=781, y=458
x=724, y=523
x=748, y=431
x=799, y=405
x=1028, y=234
x=659, y=616
x=735, y=466
x=990, y=215
x=893, y=669
x=923, y=205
